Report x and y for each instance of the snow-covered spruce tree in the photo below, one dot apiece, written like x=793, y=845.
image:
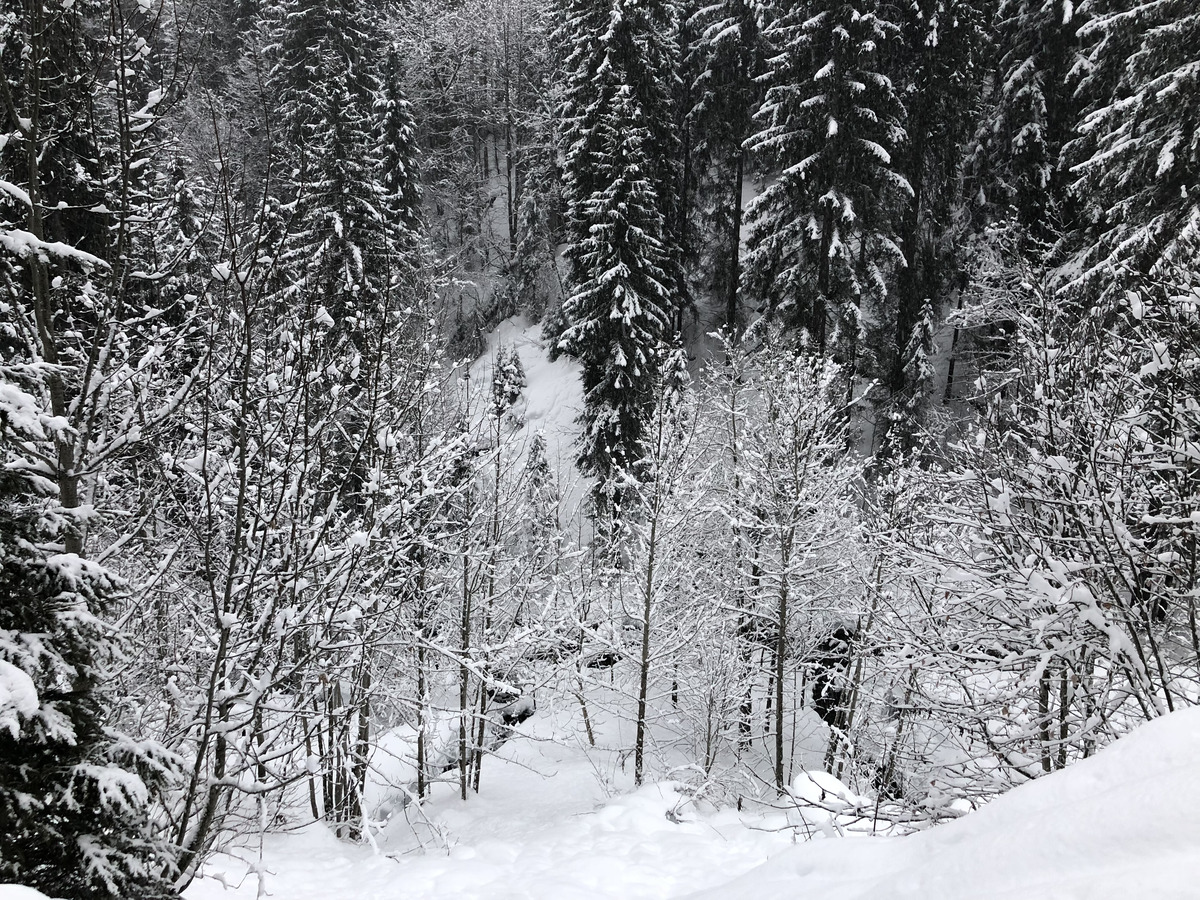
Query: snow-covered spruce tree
x=1137, y=158
x=51, y=148
x=581, y=23
x=399, y=177
x=542, y=499
x=938, y=65
x=1015, y=169
x=74, y=792
x=823, y=235
x=337, y=254
x=535, y=275
x=619, y=311
x=508, y=382
x=348, y=160
x=621, y=48
x=725, y=62
x=531, y=258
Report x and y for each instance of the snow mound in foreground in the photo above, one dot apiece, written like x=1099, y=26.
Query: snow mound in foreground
x=1121, y=826
x=19, y=892
x=1124, y=824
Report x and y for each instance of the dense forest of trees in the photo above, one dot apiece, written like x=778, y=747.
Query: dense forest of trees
x=887, y=319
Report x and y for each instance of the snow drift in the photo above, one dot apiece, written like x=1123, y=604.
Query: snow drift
x=1121, y=825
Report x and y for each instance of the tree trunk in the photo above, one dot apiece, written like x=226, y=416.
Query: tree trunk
x=464, y=679
x=735, y=248
x=910, y=287
x=644, y=661
x=781, y=622
x=820, y=302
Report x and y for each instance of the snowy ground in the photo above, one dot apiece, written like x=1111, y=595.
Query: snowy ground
x=1123, y=825
x=552, y=401
x=554, y=820
x=1120, y=826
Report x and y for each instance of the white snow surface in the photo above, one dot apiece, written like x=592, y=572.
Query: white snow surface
x=1120, y=825
x=543, y=827
x=21, y=411
x=24, y=245
x=551, y=401
x=20, y=892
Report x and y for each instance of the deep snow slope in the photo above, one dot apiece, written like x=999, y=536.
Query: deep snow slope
x=1123, y=825
x=554, y=820
x=551, y=401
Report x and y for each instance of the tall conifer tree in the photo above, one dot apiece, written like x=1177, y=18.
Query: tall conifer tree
x=621, y=186
x=823, y=234
x=398, y=153
x=938, y=70
x=341, y=249
x=617, y=44
x=726, y=63
x=620, y=306
x=1138, y=151
x=1015, y=170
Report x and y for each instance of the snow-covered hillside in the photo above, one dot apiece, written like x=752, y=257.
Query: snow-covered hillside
x=551, y=401
x=1121, y=825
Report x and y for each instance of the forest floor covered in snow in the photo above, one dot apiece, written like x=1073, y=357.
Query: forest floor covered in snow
x=557, y=820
